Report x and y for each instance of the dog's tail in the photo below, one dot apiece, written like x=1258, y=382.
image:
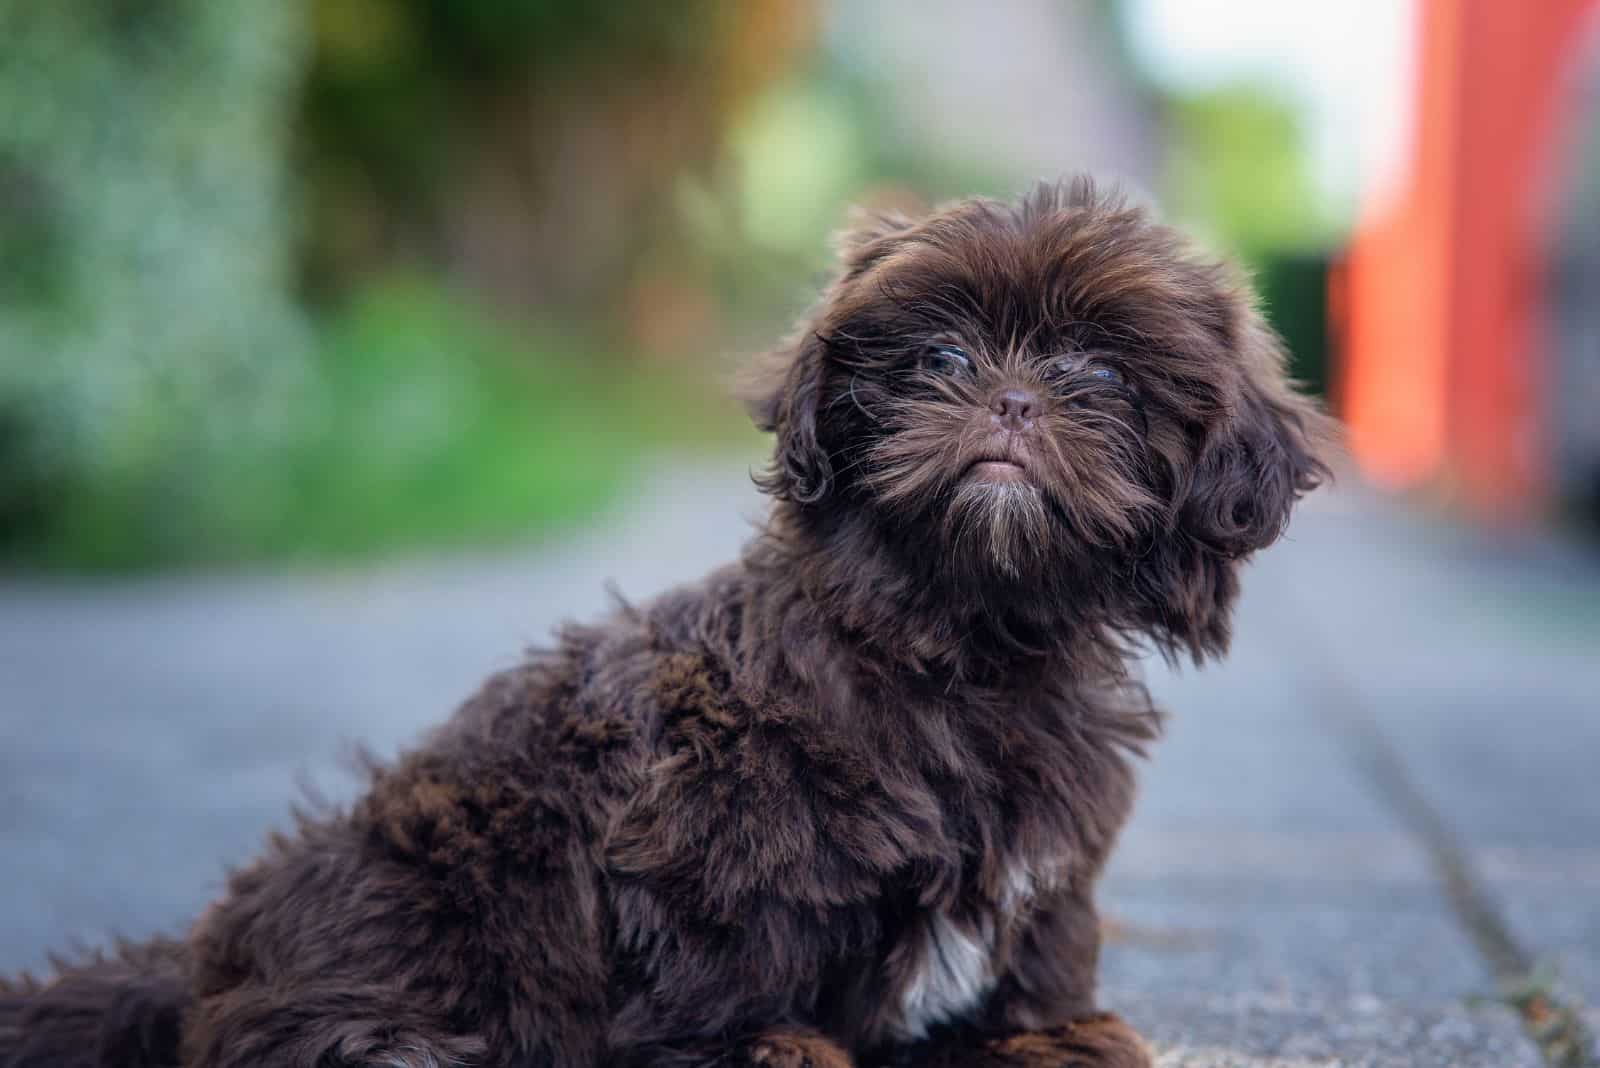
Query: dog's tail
x=122, y=1009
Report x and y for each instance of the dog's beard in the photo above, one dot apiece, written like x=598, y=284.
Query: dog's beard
x=1007, y=525
x=1085, y=492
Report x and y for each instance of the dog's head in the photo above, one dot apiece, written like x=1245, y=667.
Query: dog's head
x=1056, y=402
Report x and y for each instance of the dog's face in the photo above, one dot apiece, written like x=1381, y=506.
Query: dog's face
x=1056, y=401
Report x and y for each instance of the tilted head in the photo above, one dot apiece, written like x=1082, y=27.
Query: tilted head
x=1045, y=410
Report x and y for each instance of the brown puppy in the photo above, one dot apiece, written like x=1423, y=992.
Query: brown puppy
x=844, y=801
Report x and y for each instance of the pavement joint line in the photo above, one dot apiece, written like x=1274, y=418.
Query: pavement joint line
x=1555, y=1025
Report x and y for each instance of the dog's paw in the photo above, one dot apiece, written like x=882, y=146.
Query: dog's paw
x=797, y=1049
x=1098, y=1041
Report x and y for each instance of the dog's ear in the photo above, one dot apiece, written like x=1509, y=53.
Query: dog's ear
x=1250, y=467
x=784, y=394
x=784, y=389
x=1266, y=455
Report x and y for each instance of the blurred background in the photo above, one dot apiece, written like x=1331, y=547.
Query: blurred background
x=345, y=278
x=346, y=345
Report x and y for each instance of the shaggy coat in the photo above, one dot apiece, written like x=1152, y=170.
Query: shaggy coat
x=845, y=800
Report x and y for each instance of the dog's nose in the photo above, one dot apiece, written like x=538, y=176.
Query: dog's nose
x=1014, y=407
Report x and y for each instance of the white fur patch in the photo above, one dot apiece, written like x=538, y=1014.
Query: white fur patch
x=410, y=1057
x=1018, y=888
x=956, y=969
x=955, y=973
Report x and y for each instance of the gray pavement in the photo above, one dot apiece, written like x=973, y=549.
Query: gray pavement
x=1269, y=905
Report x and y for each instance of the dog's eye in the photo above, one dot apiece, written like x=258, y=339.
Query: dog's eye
x=947, y=360
x=1065, y=369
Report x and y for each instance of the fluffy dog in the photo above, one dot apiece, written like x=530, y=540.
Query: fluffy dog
x=845, y=800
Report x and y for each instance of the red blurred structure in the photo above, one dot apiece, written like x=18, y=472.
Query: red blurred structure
x=1443, y=362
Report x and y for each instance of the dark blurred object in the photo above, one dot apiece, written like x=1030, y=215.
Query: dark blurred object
x=31, y=242
x=30, y=274
x=529, y=150
x=24, y=483
x=1573, y=399
x=1293, y=288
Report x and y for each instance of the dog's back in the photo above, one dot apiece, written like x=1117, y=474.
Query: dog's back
x=118, y=1010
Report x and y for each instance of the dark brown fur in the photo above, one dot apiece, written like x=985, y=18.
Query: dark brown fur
x=765, y=819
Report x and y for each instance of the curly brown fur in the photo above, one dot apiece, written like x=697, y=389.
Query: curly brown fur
x=843, y=801
x=119, y=1008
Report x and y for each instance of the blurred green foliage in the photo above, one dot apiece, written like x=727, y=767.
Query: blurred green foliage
x=433, y=425
x=176, y=175
x=237, y=242
x=1237, y=173
x=145, y=321
x=1237, y=170
x=452, y=428
x=530, y=148
x=807, y=152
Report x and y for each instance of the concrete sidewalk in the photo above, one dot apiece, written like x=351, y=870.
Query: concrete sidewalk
x=1273, y=902
x=1280, y=901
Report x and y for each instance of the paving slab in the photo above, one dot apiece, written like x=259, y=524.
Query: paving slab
x=1268, y=905
x=1305, y=1031
x=153, y=731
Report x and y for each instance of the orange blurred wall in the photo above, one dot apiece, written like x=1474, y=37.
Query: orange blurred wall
x=1441, y=361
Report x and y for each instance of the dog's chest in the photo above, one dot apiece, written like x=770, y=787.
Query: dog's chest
x=953, y=960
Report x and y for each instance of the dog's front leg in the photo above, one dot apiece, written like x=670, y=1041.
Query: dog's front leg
x=774, y=1047
x=793, y=1048
x=1099, y=1040
x=1042, y=1013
